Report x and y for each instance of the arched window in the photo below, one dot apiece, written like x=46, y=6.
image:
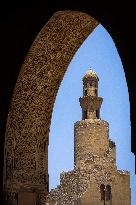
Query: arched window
x=102, y=190
x=85, y=92
x=97, y=114
x=108, y=193
x=85, y=115
x=91, y=84
x=95, y=91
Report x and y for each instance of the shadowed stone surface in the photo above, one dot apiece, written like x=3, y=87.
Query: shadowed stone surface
x=28, y=123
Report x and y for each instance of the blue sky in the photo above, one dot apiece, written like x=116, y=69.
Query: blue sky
x=98, y=52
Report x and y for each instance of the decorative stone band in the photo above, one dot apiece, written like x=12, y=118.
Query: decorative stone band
x=87, y=122
x=34, y=95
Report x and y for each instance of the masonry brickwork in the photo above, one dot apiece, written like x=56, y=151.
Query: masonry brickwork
x=28, y=124
x=95, y=179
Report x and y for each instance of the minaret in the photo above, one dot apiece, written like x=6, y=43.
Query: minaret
x=91, y=133
x=95, y=179
x=90, y=102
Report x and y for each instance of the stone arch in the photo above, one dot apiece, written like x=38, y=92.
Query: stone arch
x=108, y=193
x=28, y=123
x=102, y=190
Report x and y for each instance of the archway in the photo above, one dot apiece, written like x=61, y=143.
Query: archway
x=26, y=139
x=67, y=110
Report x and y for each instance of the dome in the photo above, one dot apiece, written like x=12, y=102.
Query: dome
x=90, y=74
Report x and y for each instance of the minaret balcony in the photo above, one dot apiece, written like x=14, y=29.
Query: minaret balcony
x=90, y=102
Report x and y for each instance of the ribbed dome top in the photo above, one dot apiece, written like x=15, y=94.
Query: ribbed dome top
x=90, y=73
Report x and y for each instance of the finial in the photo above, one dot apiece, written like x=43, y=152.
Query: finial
x=90, y=74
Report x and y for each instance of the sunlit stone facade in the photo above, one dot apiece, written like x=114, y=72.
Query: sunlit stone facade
x=95, y=179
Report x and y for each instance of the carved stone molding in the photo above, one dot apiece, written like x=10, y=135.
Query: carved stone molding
x=28, y=123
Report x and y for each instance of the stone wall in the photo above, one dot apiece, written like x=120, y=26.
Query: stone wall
x=91, y=136
x=121, y=188
x=95, y=164
x=82, y=187
x=72, y=185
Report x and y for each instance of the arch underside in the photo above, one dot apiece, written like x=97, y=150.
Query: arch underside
x=28, y=123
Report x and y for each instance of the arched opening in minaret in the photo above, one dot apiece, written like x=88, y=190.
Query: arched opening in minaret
x=99, y=52
x=95, y=91
x=102, y=191
x=97, y=113
x=84, y=114
x=108, y=193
